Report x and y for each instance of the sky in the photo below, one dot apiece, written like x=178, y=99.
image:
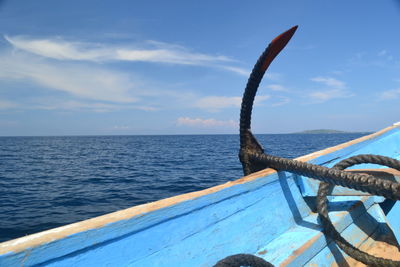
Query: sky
x=180, y=67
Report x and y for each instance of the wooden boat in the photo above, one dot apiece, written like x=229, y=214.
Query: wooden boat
x=269, y=214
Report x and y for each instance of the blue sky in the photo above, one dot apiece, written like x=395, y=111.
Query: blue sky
x=180, y=67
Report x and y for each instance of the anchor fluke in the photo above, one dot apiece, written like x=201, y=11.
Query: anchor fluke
x=248, y=143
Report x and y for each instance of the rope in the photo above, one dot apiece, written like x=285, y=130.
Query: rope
x=243, y=260
x=336, y=176
x=322, y=207
x=253, y=159
x=362, y=182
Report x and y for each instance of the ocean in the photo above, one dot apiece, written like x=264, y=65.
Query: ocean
x=46, y=182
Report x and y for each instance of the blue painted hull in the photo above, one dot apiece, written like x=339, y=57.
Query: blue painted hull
x=267, y=214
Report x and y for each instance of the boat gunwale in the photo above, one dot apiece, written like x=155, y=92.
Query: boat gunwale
x=51, y=235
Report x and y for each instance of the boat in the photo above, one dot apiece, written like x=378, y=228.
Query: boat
x=268, y=214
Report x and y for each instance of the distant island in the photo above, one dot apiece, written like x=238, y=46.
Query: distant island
x=321, y=131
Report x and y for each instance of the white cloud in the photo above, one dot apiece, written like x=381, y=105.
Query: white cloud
x=122, y=127
x=218, y=102
x=205, y=123
x=335, y=89
x=146, y=108
x=5, y=104
x=72, y=68
x=215, y=103
x=390, y=94
x=151, y=51
x=281, y=101
x=322, y=96
x=331, y=82
x=78, y=80
x=237, y=70
x=385, y=55
x=277, y=87
x=89, y=87
x=274, y=76
x=167, y=56
x=52, y=103
x=380, y=59
x=75, y=105
x=59, y=49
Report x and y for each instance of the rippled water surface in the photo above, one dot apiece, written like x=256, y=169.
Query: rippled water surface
x=47, y=182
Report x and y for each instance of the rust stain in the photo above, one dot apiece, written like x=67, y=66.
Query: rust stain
x=276, y=46
x=262, y=252
x=338, y=214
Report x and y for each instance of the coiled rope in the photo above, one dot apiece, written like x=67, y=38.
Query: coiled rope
x=243, y=260
x=253, y=159
x=322, y=207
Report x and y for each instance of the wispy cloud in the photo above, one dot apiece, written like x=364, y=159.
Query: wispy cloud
x=281, y=100
x=150, y=51
x=166, y=56
x=5, y=104
x=383, y=58
x=60, y=49
x=329, y=81
x=240, y=71
x=216, y=103
x=205, y=123
x=122, y=127
x=334, y=89
x=274, y=76
x=86, y=82
x=75, y=105
x=277, y=87
x=60, y=104
x=390, y=94
x=95, y=88
x=385, y=55
x=322, y=96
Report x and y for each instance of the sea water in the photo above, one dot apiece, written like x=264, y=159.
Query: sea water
x=46, y=182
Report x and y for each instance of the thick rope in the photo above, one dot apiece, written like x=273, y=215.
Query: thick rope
x=336, y=176
x=329, y=229
x=363, y=182
x=243, y=260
